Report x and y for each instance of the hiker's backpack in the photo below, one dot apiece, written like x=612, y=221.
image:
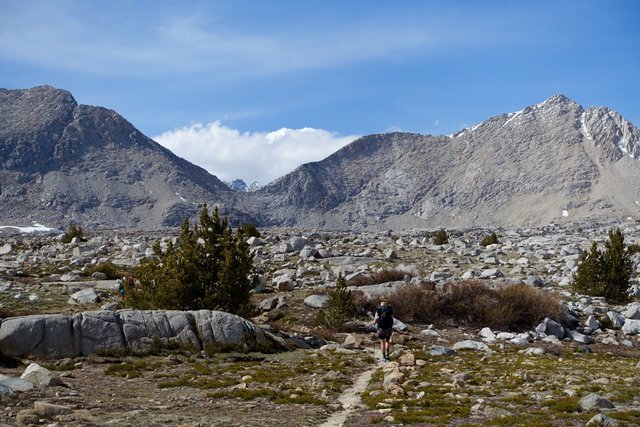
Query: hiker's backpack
x=385, y=317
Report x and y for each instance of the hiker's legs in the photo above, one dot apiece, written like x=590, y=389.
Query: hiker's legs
x=384, y=348
x=385, y=336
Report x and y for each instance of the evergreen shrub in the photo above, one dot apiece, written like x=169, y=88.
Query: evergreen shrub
x=605, y=273
x=209, y=267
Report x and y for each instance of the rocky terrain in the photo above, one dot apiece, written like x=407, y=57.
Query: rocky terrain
x=440, y=374
x=553, y=162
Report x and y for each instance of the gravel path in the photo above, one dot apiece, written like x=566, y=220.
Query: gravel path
x=350, y=400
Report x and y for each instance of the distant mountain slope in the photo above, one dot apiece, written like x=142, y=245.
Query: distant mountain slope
x=552, y=161
x=62, y=163
x=241, y=186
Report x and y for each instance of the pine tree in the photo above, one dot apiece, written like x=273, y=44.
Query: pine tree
x=617, y=267
x=588, y=278
x=605, y=273
x=341, y=306
x=209, y=267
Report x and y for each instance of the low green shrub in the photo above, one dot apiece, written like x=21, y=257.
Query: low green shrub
x=249, y=230
x=208, y=267
x=112, y=271
x=440, y=237
x=73, y=231
x=490, y=239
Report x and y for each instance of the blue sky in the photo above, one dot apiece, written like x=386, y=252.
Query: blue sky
x=214, y=80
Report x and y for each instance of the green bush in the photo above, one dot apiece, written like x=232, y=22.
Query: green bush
x=341, y=307
x=73, y=231
x=112, y=271
x=489, y=239
x=441, y=237
x=249, y=230
x=605, y=273
x=633, y=248
x=208, y=268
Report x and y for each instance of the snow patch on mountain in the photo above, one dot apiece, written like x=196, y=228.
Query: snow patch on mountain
x=33, y=229
x=583, y=126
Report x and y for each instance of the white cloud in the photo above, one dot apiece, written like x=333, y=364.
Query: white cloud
x=252, y=156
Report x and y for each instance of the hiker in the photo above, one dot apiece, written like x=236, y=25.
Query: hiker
x=126, y=280
x=383, y=321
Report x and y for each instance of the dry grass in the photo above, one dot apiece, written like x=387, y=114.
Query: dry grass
x=410, y=302
x=472, y=303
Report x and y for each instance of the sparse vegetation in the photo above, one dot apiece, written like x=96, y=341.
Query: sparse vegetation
x=249, y=230
x=74, y=230
x=633, y=248
x=506, y=384
x=441, y=237
x=208, y=268
x=513, y=307
x=131, y=368
x=341, y=306
x=191, y=384
x=489, y=239
x=112, y=271
x=605, y=273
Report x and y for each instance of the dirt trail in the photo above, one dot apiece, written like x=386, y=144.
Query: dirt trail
x=350, y=400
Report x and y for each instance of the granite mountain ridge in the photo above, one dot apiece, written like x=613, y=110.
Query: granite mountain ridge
x=554, y=161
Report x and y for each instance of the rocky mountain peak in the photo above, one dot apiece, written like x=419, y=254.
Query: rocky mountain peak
x=61, y=162
x=614, y=134
x=32, y=122
x=528, y=167
x=559, y=99
x=554, y=110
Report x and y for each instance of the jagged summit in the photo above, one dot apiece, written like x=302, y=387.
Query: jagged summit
x=558, y=99
x=62, y=162
x=557, y=104
x=553, y=161
x=613, y=133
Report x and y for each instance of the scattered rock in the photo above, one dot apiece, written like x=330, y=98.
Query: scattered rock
x=317, y=301
x=39, y=376
x=595, y=401
x=471, y=345
x=602, y=420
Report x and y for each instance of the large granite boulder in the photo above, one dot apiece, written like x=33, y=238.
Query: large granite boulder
x=58, y=336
